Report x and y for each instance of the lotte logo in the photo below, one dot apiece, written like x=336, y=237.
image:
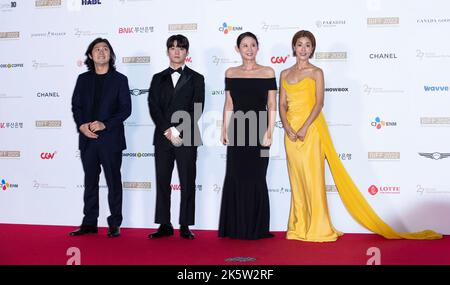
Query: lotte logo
x=373, y=190
x=48, y=155
x=278, y=59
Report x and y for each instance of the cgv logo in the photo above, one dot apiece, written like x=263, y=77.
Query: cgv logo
x=278, y=59
x=48, y=155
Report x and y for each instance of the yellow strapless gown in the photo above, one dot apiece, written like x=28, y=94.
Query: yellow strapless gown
x=309, y=218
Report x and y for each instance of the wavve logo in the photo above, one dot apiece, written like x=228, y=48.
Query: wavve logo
x=433, y=88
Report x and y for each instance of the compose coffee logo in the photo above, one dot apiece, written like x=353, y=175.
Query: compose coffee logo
x=435, y=121
x=138, y=154
x=183, y=27
x=383, y=21
x=341, y=55
x=47, y=3
x=9, y=154
x=136, y=60
x=48, y=124
x=434, y=155
x=383, y=155
x=11, y=65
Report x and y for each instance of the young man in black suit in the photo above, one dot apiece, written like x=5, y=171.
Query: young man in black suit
x=176, y=99
x=100, y=104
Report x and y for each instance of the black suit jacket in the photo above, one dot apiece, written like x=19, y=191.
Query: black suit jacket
x=114, y=108
x=164, y=100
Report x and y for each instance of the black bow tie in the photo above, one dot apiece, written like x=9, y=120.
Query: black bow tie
x=179, y=70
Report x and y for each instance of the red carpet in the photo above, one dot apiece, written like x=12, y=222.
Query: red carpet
x=31, y=244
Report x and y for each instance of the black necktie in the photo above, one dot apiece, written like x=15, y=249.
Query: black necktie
x=179, y=70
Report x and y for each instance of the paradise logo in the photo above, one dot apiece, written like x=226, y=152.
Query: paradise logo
x=228, y=28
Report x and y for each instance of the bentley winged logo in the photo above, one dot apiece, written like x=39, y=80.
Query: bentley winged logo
x=434, y=155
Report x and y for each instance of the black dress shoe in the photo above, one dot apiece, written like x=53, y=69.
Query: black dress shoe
x=163, y=231
x=186, y=233
x=113, y=231
x=84, y=230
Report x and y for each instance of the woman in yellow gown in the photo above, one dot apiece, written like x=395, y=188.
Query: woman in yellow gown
x=308, y=143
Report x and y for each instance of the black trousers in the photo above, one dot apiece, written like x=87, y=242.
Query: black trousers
x=92, y=157
x=186, y=158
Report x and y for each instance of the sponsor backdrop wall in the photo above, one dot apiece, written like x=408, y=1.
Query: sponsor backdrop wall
x=387, y=102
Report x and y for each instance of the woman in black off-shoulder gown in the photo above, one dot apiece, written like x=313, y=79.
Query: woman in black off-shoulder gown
x=245, y=212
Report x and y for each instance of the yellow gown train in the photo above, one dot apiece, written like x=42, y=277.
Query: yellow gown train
x=309, y=217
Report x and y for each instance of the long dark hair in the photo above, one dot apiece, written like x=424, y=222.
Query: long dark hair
x=90, y=63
